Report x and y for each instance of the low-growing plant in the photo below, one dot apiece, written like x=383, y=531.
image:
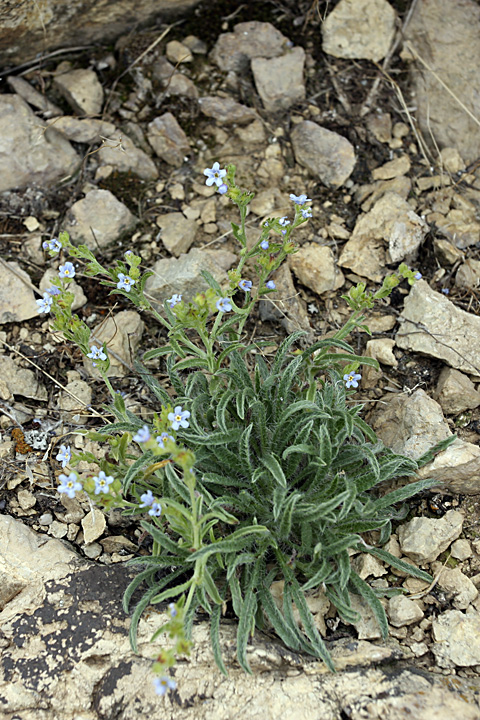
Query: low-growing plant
x=259, y=471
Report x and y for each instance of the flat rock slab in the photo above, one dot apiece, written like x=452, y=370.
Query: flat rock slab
x=279, y=81
x=29, y=154
x=66, y=654
x=17, y=301
x=359, y=29
x=452, y=52
x=98, y=219
x=434, y=326
x=326, y=154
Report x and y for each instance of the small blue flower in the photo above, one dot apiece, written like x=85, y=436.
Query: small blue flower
x=222, y=189
x=45, y=304
x=306, y=213
x=69, y=484
x=351, y=380
x=215, y=175
x=163, y=438
x=300, y=199
x=270, y=285
x=102, y=482
x=445, y=291
x=418, y=276
x=264, y=244
x=96, y=353
x=173, y=610
x=174, y=300
x=54, y=291
x=65, y=455
x=245, y=285
x=284, y=221
x=163, y=685
x=128, y=255
x=147, y=499
x=53, y=245
x=223, y=305
x=142, y=435
x=178, y=418
x=66, y=271
x=125, y=282
x=155, y=510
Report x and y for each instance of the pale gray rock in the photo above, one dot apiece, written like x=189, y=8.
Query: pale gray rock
x=122, y=333
x=75, y=399
x=461, y=549
x=26, y=91
x=456, y=469
x=357, y=29
x=65, y=628
x=452, y=52
x=284, y=305
x=367, y=625
x=28, y=30
x=179, y=84
x=253, y=39
x=446, y=251
x=423, y=539
x=17, y=301
x=120, y=153
x=26, y=499
x=382, y=350
x=29, y=154
x=226, y=111
x=21, y=381
x=98, y=220
x=368, y=566
x=326, y=154
x=410, y=424
x=468, y=274
x=57, y=530
x=314, y=266
x=88, y=130
x=279, y=81
x=82, y=90
x=456, y=584
x=460, y=226
x=183, y=275
x=434, y=326
x=402, y=611
x=168, y=139
x=177, y=52
x=457, y=638
x=391, y=220
x=455, y=392
x=178, y=233
x=392, y=169
x=93, y=525
x=79, y=297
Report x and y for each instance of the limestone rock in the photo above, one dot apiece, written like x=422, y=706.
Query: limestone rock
x=402, y=611
x=98, y=219
x=455, y=392
x=25, y=32
x=178, y=233
x=457, y=469
x=30, y=155
x=168, y=139
x=279, y=81
x=326, y=154
x=122, y=333
x=253, y=39
x=177, y=52
x=452, y=52
x=359, y=29
x=33, y=97
x=456, y=584
x=468, y=274
x=82, y=90
x=391, y=220
x=432, y=325
x=17, y=301
x=461, y=549
x=399, y=166
x=367, y=626
x=457, y=638
x=75, y=399
x=410, y=424
x=446, y=252
x=460, y=226
x=21, y=381
x=382, y=350
x=226, y=111
x=88, y=130
x=423, y=539
x=93, y=525
x=120, y=153
x=183, y=275
x=314, y=266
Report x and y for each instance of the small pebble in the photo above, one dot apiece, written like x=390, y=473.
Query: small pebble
x=461, y=549
x=45, y=519
x=93, y=550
